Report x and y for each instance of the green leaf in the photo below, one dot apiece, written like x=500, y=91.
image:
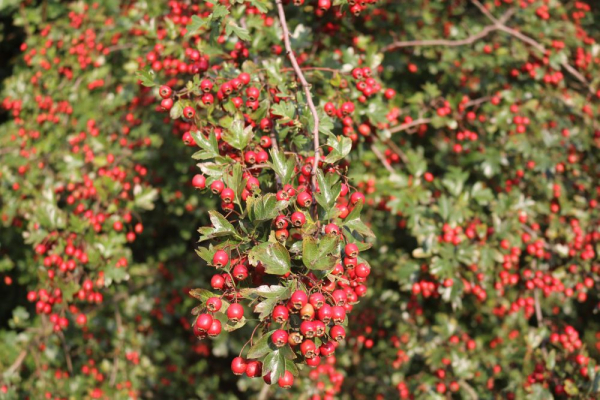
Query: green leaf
x=237, y=136
x=341, y=147
x=209, y=146
x=283, y=167
x=328, y=193
x=196, y=24
x=146, y=75
x=274, y=364
x=176, y=110
x=264, y=308
x=144, y=198
x=219, y=11
x=240, y=32
x=265, y=208
x=261, y=347
x=320, y=254
x=202, y=294
x=284, y=109
x=354, y=223
x=220, y=227
x=273, y=256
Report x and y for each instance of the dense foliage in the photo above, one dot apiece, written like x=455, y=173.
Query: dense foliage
x=171, y=171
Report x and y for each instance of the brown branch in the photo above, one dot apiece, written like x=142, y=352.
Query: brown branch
x=18, y=362
x=450, y=43
x=382, y=158
x=408, y=125
x=500, y=24
x=305, y=85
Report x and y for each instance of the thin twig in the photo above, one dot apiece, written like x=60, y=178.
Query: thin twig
x=305, y=86
x=500, y=24
x=382, y=158
x=469, y=389
x=17, y=364
x=264, y=393
x=408, y=125
x=449, y=43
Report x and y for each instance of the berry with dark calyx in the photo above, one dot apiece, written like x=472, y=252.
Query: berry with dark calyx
x=235, y=312
x=217, y=187
x=220, y=259
x=351, y=250
x=308, y=348
x=279, y=338
x=317, y=300
x=280, y=314
x=189, y=112
x=287, y=380
x=214, y=304
x=215, y=328
x=299, y=299
x=238, y=366
x=227, y=195
x=298, y=219
x=165, y=92
x=304, y=200
x=199, y=181
x=203, y=322
x=332, y=228
x=337, y=333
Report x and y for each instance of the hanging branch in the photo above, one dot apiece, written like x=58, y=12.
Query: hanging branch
x=305, y=85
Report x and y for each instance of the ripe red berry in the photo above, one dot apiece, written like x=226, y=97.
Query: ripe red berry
x=217, y=187
x=203, y=322
x=235, y=312
x=227, y=195
x=165, y=91
x=189, y=112
x=238, y=365
x=299, y=299
x=199, y=181
x=298, y=219
x=220, y=259
x=279, y=338
x=280, y=314
x=214, y=304
x=351, y=250
x=304, y=199
x=215, y=328
x=286, y=381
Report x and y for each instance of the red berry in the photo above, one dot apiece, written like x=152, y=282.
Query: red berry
x=220, y=259
x=235, y=312
x=199, y=181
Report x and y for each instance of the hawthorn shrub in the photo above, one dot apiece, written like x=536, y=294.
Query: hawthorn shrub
x=437, y=161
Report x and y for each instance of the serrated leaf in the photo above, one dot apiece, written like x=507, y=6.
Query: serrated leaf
x=261, y=347
x=147, y=77
x=320, y=254
x=196, y=24
x=264, y=208
x=209, y=146
x=328, y=193
x=238, y=136
x=286, y=110
x=354, y=223
x=176, y=110
x=229, y=327
x=283, y=167
x=341, y=147
x=202, y=294
x=274, y=257
x=220, y=227
x=265, y=307
x=241, y=33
